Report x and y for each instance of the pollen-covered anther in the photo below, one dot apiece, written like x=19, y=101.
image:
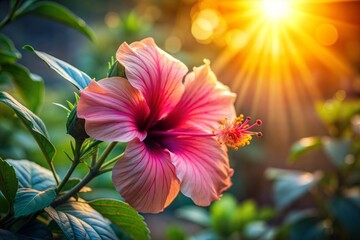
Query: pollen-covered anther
x=237, y=133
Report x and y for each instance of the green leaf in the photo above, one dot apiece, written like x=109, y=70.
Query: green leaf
x=123, y=216
x=337, y=150
x=36, y=230
x=3, y=205
x=31, y=175
x=304, y=145
x=33, y=123
x=330, y=110
x=78, y=78
x=206, y=235
x=13, y=3
x=58, y=13
x=299, y=215
x=175, y=232
x=26, y=82
x=347, y=212
x=29, y=200
x=25, y=5
x=307, y=224
x=258, y=230
x=8, y=52
x=72, y=182
x=5, y=78
x=336, y=113
x=290, y=185
x=245, y=213
x=8, y=182
x=78, y=220
x=4, y=234
x=310, y=228
x=222, y=215
x=194, y=214
x=266, y=213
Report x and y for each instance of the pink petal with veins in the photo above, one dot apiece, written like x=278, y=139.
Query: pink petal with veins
x=145, y=177
x=113, y=110
x=202, y=166
x=204, y=103
x=157, y=75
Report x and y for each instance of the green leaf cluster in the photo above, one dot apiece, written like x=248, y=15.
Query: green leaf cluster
x=54, y=12
x=291, y=185
x=29, y=190
x=8, y=183
x=335, y=193
x=18, y=75
x=13, y=73
x=229, y=219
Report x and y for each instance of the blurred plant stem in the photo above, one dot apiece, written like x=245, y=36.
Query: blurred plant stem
x=93, y=172
x=52, y=168
x=11, y=14
x=111, y=161
x=75, y=162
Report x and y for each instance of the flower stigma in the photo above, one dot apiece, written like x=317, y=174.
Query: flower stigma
x=237, y=133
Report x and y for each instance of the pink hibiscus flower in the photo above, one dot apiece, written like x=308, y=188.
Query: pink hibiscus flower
x=173, y=127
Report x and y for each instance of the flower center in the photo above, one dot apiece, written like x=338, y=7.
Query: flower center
x=237, y=133
x=234, y=134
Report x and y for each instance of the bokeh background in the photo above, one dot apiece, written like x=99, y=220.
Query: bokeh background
x=281, y=59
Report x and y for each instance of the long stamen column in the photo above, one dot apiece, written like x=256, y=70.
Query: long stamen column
x=234, y=134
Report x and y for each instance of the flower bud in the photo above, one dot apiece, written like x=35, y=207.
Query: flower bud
x=116, y=70
x=76, y=126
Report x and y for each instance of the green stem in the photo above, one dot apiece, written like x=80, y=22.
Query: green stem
x=94, y=172
x=105, y=154
x=94, y=155
x=111, y=161
x=74, y=164
x=93, y=158
x=52, y=168
x=10, y=16
x=105, y=170
x=91, y=175
x=93, y=144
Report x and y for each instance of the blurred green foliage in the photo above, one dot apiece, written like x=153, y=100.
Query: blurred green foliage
x=229, y=219
x=335, y=212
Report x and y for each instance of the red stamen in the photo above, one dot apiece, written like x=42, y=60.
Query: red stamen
x=236, y=134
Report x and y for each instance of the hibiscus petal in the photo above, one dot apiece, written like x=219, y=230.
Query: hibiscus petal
x=202, y=165
x=204, y=102
x=113, y=110
x=157, y=75
x=145, y=177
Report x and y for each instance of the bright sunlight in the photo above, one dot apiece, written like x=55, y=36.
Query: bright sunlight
x=270, y=50
x=276, y=9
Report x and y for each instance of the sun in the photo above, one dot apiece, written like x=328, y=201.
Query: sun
x=276, y=54
x=275, y=10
